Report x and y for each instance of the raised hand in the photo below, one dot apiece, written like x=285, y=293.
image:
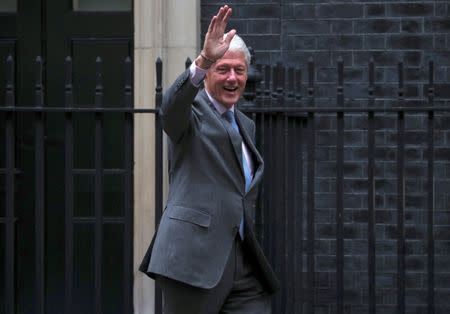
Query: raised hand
x=215, y=44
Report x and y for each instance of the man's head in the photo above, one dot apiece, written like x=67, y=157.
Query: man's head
x=226, y=78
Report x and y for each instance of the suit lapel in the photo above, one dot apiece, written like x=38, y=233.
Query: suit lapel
x=235, y=138
x=248, y=141
x=236, y=141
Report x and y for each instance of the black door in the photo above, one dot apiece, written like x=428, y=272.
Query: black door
x=69, y=255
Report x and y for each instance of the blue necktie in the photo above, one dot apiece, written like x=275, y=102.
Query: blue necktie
x=229, y=115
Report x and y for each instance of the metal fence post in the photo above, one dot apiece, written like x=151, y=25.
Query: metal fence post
x=10, y=220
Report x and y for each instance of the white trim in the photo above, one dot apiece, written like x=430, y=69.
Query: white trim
x=169, y=29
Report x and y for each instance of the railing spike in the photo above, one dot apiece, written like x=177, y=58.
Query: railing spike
x=159, y=67
x=68, y=82
x=99, y=83
x=128, y=90
x=158, y=88
x=9, y=95
x=39, y=88
x=188, y=62
x=340, y=86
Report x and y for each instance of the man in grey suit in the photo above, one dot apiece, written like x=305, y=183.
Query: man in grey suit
x=205, y=255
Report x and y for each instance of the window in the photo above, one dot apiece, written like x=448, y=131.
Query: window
x=8, y=6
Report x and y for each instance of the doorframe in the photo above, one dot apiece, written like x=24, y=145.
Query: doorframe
x=157, y=34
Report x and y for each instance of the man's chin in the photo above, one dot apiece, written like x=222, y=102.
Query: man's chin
x=229, y=102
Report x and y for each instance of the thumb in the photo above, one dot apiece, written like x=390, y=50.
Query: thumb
x=229, y=36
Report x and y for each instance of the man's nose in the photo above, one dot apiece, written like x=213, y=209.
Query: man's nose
x=232, y=75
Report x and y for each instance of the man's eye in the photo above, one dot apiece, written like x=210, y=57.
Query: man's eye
x=240, y=71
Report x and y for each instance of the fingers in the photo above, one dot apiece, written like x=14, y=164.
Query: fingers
x=212, y=24
x=219, y=21
x=229, y=36
x=223, y=17
x=227, y=15
x=223, y=12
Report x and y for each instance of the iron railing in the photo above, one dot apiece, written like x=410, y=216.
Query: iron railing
x=99, y=220
x=288, y=139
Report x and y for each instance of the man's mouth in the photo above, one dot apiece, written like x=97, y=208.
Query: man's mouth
x=230, y=88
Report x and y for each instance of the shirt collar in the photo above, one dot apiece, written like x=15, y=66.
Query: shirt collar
x=219, y=107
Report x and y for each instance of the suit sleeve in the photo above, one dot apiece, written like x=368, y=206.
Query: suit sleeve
x=175, y=111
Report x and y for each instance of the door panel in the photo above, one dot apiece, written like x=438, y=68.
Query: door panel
x=53, y=30
x=102, y=5
x=112, y=53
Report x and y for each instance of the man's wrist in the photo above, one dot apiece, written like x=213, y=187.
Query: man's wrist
x=204, y=62
x=197, y=74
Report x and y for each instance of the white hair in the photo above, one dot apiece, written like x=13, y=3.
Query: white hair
x=238, y=44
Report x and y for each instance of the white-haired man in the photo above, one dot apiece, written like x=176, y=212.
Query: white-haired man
x=205, y=255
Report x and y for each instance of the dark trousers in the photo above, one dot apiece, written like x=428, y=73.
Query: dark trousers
x=238, y=291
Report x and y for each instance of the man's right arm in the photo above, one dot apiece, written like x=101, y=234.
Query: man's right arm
x=175, y=112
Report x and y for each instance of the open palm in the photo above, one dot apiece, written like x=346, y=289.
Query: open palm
x=216, y=44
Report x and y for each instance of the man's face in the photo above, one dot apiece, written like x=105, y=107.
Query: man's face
x=225, y=80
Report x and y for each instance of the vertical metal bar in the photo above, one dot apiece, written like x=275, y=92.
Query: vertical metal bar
x=298, y=202
x=340, y=193
x=9, y=197
x=271, y=177
x=400, y=198
x=289, y=195
x=281, y=223
x=278, y=239
x=299, y=199
x=271, y=216
x=259, y=215
x=277, y=223
x=298, y=217
x=98, y=190
x=371, y=192
x=39, y=187
x=311, y=192
x=265, y=205
x=430, y=198
x=128, y=191
x=69, y=196
x=158, y=168
x=260, y=145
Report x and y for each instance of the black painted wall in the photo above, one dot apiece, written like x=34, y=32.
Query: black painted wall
x=416, y=32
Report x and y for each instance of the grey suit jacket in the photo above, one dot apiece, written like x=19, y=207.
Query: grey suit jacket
x=207, y=195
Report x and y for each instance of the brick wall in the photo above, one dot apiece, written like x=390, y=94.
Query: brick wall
x=389, y=31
